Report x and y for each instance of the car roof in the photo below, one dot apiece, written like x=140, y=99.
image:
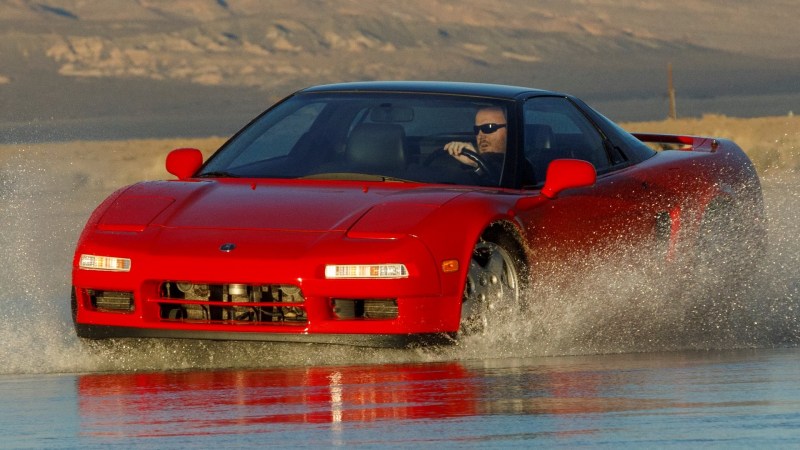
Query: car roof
x=443, y=87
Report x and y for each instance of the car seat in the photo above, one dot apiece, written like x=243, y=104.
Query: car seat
x=376, y=147
x=540, y=149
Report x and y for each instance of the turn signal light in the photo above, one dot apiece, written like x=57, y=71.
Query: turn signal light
x=366, y=271
x=93, y=262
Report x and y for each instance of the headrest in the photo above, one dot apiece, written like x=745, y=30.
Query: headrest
x=377, y=146
x=538, y=137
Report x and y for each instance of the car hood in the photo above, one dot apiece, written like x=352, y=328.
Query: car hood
x=289, y=205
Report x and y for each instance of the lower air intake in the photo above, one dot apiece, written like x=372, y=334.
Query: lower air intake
x=364, y=308
x=111, y=300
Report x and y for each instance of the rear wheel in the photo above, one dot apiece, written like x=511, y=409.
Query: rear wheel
x=731, y=244
x=730, y=252
x=493, y=289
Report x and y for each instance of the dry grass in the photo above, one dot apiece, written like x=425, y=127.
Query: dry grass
x=100, y=164
x=773, y=143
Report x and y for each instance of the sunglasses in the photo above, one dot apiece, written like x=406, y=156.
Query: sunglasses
x=488, y=128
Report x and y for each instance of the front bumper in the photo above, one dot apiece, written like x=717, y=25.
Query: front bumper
x=427, y=302
x=359, y=340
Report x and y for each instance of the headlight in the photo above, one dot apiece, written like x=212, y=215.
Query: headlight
x=366, y=271
x=93, y=262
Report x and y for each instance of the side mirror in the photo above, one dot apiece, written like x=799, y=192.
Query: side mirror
x=567, y=174
x=184, y=162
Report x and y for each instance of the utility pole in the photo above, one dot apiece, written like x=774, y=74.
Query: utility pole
x=673, y=114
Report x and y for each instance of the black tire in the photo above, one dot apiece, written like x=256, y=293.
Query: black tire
x=494, y=286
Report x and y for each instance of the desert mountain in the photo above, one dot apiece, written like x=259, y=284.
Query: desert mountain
x=135, y=64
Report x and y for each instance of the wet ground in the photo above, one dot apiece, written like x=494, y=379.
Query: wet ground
x=746, y=398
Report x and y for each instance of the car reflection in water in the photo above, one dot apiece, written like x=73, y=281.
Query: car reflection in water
x=277, y=400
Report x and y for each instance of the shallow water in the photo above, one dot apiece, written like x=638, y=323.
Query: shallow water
x=721, y=398
x=646, y=368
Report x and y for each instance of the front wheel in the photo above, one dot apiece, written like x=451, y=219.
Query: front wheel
x=493, y=290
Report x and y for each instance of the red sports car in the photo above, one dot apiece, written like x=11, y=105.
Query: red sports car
x=383, y=211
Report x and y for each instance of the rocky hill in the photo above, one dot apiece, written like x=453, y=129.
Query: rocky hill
x=199, y=67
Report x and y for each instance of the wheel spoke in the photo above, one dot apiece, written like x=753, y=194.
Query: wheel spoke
x=491, y=283
x=496, y=267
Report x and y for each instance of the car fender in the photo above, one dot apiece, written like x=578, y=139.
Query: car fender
x=452, y=230
x=97, y=214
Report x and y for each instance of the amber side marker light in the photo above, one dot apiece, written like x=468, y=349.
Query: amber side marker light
x=450, y=265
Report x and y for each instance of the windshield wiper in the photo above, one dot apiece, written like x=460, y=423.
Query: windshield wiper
x=397, y=180
x=353, y=176
x=218, y=174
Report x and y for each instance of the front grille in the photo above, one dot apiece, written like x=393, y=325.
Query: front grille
x=231, y=303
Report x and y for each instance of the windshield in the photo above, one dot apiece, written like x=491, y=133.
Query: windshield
x=371, y=136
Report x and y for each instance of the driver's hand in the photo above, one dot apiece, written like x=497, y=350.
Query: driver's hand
x=454, y=149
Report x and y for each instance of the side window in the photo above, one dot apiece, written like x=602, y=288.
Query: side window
x=554, y=128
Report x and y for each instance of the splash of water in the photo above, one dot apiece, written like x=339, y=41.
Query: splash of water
x=626, y=305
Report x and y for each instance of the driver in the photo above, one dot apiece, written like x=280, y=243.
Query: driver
x=490, y=135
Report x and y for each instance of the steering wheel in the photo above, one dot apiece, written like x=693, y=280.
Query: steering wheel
x=482, y=169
